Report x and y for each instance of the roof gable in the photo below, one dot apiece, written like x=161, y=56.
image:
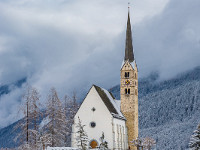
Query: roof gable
x=92, y=97
x=106, y=100
x=110, y=103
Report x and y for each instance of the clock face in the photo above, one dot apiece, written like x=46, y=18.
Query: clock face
x=127, y=82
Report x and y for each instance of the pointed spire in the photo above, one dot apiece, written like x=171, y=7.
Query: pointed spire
x=129, y=47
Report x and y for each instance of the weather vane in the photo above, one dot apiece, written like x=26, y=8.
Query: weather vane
x=128, y=6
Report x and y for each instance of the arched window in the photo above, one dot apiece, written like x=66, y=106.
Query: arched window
x=127, y=91
x=126, y=75
x=93, y=144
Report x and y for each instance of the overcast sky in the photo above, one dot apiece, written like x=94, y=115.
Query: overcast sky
x=72, y=44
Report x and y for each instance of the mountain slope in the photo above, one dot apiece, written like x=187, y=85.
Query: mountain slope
x=7, y=136
x=169, y=111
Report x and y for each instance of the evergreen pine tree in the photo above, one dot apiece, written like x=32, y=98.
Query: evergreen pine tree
x=104, y=144
x=194, y=143
x=82, y=138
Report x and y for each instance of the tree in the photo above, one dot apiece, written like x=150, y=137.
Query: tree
x=24, y=146
x=45, y=140
x=138, y=143
x=104, y=144
x=82, y=138
x=144, y=143
x=194, y=143
x=70, y=107
x=34, y=116
x=57, y=124
x=30, y=122
x=148, y=142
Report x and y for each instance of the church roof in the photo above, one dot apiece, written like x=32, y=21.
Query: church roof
x=110, y=102
x=129, y=55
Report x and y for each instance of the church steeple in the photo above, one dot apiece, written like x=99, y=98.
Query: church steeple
x=129, y=89
x=129, y=46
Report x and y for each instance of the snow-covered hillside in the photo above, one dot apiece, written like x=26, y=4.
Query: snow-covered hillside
x=169, y=111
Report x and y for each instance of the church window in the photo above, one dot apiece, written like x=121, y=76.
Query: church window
x=93, y=109
x=93, y=144
x=93, y=124
x=135, y=75
x=127, y=91
x=126, y=74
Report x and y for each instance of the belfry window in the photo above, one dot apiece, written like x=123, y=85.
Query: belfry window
x=127, y=91
x=126, y=74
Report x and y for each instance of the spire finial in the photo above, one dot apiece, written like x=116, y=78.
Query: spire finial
x=128, y=6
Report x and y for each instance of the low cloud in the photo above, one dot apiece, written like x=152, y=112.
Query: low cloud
x=73, y=44
x=170, y=41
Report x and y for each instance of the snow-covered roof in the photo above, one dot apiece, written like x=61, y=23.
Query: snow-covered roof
x=112, y=104
x=118, y=103
x=132, y=64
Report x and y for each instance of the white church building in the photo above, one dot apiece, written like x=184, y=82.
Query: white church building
x=101, y=112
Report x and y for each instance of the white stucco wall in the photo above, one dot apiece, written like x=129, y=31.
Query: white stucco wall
x=120, y=134
x=101, y=116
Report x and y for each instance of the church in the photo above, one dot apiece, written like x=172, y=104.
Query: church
x=101, y=113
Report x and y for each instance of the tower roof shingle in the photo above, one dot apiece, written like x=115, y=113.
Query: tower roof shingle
x=129, y=55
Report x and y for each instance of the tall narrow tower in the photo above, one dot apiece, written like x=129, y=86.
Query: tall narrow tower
x=129, y=88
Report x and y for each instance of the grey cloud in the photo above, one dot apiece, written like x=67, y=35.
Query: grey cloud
x=73, y=44
x=169, y=42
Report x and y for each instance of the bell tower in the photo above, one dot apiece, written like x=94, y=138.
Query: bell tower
x=129, y=88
